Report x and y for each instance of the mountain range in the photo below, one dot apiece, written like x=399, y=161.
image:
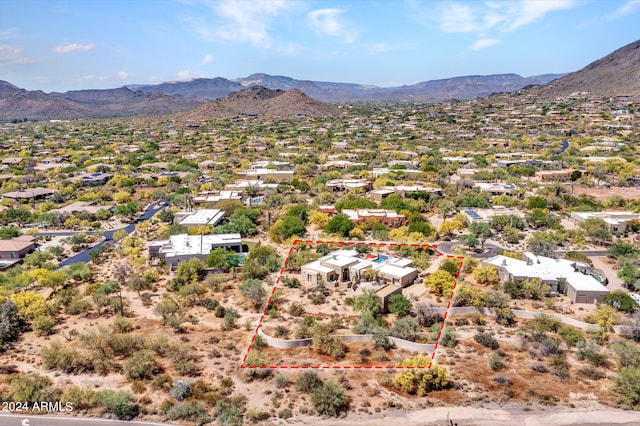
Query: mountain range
x=616, y=73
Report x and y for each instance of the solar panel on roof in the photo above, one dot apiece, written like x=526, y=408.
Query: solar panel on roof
x=473, y=214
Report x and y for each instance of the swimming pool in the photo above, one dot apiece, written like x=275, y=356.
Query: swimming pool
x=381, y=258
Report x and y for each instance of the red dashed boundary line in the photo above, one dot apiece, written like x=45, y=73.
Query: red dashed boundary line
x=350, y=367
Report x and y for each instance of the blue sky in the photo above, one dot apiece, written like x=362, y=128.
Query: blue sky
x=80, y=44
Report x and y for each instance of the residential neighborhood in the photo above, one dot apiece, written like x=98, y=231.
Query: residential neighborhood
x=493, y=243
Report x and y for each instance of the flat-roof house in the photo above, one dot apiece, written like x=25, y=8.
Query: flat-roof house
x=29, y=194
x=616, y=220
x=183, y=247
x=15, y=249
x=486, y=215
x=496, y=188
x=211, y=198
x=348, y=184
x=387, y=217
x=202, y=217
x=96, y=178
x=345, y=268
x=276, y=175
x=581, y=283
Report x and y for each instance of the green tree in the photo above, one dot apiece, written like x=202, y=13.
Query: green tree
x=339, y=224
x=400, y=305
x=440, y=283
x=482, y=231
x=368, y=301
x=537, y=202
x=222, y=258
x=620, y=300
x=445, y=208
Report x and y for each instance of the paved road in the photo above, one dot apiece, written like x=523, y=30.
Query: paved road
x=83, y=256
x=7, y=419
x=490, y=250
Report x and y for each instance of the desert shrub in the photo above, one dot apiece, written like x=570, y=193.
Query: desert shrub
x=10, y=322
x=119, y=403
x=590, y=351
x=186, y=367
x=495, y=361
x=591, y=372
x=209, y=304
x=31, y=387
x=79, y=397
x=546, y=322
x=228, y=413
x=125, y=345
x=628, y=353
x=142, y=365
x=467, y=295
x=255, y=359
x=505, y=316
x=255, y=416
x=282, y=381
x=486, y=340
x=539, y=368
x=181, y=390
x=285, y=413
x=282, y=332
x=43, y=325
x=122, y=325
x=253, y=292
x=424, y=380
x=329, y=399
x=65, y=358
x=296, y=309
x=427, y=315
x=259, y=342
x=560, y=366
x=192, y=411
x=571, y=336
x=162, y=382
x=449, y=337
x=406, y=328
x=626, y=386
x=78, y=305
x=503, y=381
x=308, y=381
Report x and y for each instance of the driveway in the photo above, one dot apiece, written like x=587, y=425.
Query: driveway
x=83, y=256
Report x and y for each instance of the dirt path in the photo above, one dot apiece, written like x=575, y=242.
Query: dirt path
x=493, y=416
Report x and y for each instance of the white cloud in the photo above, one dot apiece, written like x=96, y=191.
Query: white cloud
x=329, y=22
x=13, y=55
x=208, y=58
x=533, y=10
x=187, y=75
x=483, y=43
x=503, y=17
x=73, y=47
x=242, y=22
x=458, y=18
x=629, y=8
x=91, y=77
x=123, y=75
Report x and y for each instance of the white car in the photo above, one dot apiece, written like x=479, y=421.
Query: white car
x=635, y=297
